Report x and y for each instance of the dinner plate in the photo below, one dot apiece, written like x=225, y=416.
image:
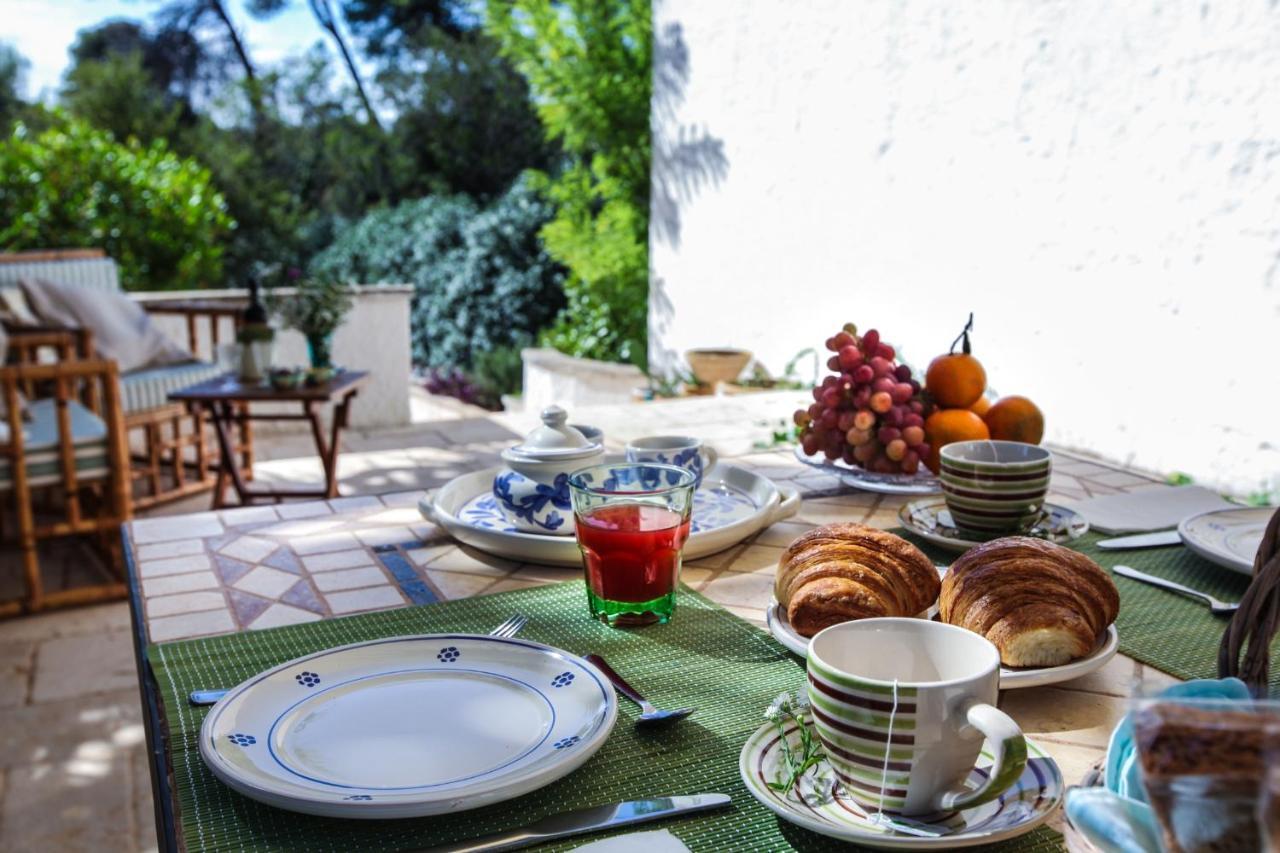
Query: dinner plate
x=732, y=504
x=921, y=483
x=1011, y=678
x=930, y=519
x=819, y=805
x=1228, y=537
x=409, y=726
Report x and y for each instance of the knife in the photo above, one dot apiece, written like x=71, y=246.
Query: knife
x=585, y=820
x=1141, y=540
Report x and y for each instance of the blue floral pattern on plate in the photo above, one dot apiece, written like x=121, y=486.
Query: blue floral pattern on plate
x=566, y=742
x=562, y=680
x=242, y=739
x=448, y=654
x=307, y=679
x=359, y=798
x=713, y=507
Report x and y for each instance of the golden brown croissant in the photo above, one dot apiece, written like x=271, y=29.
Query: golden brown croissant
x=1039, y=603
x=841, y=572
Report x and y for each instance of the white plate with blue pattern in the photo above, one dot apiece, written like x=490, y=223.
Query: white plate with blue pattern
x=1228, y=537
x=409, y=726
x=817, y=804
x=732, y=504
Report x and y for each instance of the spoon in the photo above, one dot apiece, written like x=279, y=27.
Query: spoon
x=1216, y=607
x=650, y=715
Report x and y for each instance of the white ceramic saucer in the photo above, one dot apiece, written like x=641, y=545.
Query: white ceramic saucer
x=409, y=726
x=920, y=483
x=1011, y=678
x=732, y=504
x=1228, y=537
x=818, y=805
x=930, y=519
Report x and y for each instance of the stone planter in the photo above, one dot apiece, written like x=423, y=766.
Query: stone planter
x=553, y=378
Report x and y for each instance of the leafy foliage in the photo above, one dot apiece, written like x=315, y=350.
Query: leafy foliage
x=316, y=309
x=156, y=213
x=588, y=65
x=481, y=280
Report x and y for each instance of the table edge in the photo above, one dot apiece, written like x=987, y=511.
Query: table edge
x=157, y=736
x=352, y=380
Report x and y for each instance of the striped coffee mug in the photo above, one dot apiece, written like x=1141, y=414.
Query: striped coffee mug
x=994, y=486
x=902, y=707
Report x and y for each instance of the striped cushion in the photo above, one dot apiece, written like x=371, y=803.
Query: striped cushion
x=99, y=273
x=149, y=388
x=41, y=450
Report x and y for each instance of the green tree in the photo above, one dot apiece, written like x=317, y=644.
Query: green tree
x=13, y=68
x=117, y=94
x=156, y=213
x=588, y=64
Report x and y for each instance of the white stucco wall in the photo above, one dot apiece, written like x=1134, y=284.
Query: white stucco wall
x=373, y=337
x=1098, y=181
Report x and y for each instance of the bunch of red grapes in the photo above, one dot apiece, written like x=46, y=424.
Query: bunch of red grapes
x=869, y=412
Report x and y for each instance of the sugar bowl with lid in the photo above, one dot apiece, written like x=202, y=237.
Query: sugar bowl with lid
x=532, y=489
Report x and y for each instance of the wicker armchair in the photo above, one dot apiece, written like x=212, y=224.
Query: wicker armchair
x=64, y=470
x=171, y=451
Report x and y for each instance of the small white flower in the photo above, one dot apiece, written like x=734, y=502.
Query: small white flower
x=773, y=714
x=779, y=707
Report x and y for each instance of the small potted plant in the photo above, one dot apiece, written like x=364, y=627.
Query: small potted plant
x=316, y=309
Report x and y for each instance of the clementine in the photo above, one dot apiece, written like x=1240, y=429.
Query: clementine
x=955, y=380
x=947, y=425
x=980, y=408
x=1015, y=419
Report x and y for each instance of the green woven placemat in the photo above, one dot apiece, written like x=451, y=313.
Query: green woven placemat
x=706, y=657
x=1171, y=632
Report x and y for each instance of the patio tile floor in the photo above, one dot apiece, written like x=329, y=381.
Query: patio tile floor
x=72, y=765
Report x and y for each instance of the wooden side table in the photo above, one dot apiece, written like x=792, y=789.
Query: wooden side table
x=226, y=400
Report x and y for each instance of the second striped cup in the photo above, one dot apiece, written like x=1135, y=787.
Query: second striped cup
x=902, y=707
x=994, y=487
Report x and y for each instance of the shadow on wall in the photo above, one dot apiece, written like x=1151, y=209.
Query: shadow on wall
x=685, y=157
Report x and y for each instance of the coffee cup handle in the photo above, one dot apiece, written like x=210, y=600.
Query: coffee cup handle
x=709, y=457
x=1010, y=758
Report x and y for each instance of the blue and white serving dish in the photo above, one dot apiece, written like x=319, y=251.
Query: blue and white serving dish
x=531, y=491
x=731, y=504
x=409, y=726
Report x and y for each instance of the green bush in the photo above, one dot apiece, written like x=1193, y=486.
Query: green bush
x=589, y=66
x=156, y=213
x=481, y=279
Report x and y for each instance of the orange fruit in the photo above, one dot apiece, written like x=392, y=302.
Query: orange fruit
x=955, y=380
x=980, y=408
x=947, y=425
x=1015, y=419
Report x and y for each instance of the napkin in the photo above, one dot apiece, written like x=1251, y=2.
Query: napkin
x=660, y=841
x=1151, y=508
x=1117, y=819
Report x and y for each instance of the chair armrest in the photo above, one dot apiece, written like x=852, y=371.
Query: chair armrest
x=196, y=310
x=25, y=342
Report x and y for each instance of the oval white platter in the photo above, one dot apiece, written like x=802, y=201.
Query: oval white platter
x=1011, y=678
x=818, y=805
x=921, y=483
x=732, y=504
x=1228, y=537
x=409, y=726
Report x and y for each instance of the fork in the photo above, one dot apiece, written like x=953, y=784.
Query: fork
x=509, y=628
x=1216, y=607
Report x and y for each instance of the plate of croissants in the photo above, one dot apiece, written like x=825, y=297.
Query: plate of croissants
x=1050, y=611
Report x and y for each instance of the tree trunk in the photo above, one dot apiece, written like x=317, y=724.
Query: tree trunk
x=250, y=76
x=324, y=14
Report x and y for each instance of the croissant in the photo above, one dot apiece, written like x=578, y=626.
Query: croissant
x=1039, y=603
x=840, y=572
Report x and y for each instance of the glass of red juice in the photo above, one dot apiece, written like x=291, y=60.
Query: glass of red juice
x=632, y=520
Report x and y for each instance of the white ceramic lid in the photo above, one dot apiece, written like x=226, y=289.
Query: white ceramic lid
x=555, y=439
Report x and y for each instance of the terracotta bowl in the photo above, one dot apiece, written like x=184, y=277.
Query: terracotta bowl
x=717, y=365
